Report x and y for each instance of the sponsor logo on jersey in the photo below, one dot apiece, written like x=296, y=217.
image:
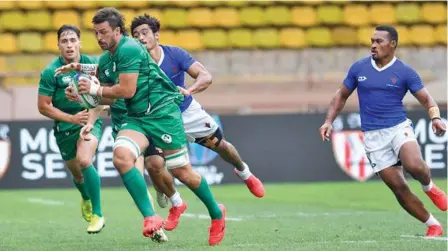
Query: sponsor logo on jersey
x=67, y=80
x=167, y=138
x=362, y=78
x=5, y=150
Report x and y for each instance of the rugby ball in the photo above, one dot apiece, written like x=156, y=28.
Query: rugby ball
x=88, y=101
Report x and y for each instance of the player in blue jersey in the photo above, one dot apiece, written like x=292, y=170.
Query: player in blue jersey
x=199, y=125
x=382, y=81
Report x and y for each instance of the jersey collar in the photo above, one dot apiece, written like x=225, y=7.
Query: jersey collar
x=384, y=67
x=162, y=57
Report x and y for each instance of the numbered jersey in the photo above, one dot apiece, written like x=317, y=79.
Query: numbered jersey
x=54, y=87
x=154, y=89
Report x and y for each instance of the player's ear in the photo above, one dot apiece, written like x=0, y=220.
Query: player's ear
x=156, y=35
x=393, y=43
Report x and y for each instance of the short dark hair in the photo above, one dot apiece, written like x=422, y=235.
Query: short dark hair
x=68, y=27
x=152, y=22
x=393, y=34
x=112, y=16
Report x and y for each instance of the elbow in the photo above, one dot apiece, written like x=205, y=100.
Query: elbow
x=207, y=78
x=128, y=94
x=42, y=109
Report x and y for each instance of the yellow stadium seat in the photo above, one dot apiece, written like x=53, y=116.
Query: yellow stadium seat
x=408, y=13
x=128, y=15
x=7, y=5
x=252, y=16
x=13, y=20
x=356, y=15
x=87, y=4
x=292, y=38
x=3, y=65
x=313, y=2
x=60, y=4
x=23, y=63
x=200, y=17
x=187, y=3
x=364, y=34
x=345, y=36
x=136, y=4
x=86, y=19
x=159, y=3
x=236, y=3
x=51, y=42
x=211, y=3
x=9, y=43
x=39, y=20
x=226, y=17
x=382, y=14
x=261, y=2
x=89, y=44
x=266, y=38
x=215, y=39
x=30, y=5
x=153, y=13
x=404, y=35
x=440, y=34
x=176, y=18
x=115, y=4
x=62, y=17
x=278, y=15
x=304, y=16
x=30, y=42
x=329, y=14
x=241, y=38
x=422, y=35
x=190, y=40
x=9, y=82
x=342, y=2
x=168, y=38
x=434, y=13
x=319, y=36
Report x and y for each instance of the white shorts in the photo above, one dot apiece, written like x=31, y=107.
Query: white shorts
x=197, y=122
x=383, y=145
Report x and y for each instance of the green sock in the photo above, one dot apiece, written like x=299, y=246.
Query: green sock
x=136, y=186
x=82, y=189
x=205, y=195
x=93, y=181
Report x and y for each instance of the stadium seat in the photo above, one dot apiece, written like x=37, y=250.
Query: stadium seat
x=408, y=13
x=9, y=43
x=329, y=14
x=313, y=2
x=30, y=42
x=88, y=4
x=226, y=17
x=356, y=15
x=159, y=3
x=266, y=38
x=215, y=39
x=116, y=4
x=261, y=2
x=422, y=35
x=3, y=65
x=345, y=36
x=154, y=13
x=382, y=14
x=304, y=16
x=30, y=5
x=128, y=15
x=62, y=17
x=252, y=16
x=39, y=20
x=13, y=20
x=176, y=18
x=200, y=17
x=319, y=37
x=434, y=13
x=89, y=43
x=86, y=19
x=292, y=38
x=60, y=4
x=211, y=3
x=278, y=15
x=241, y=38
x=364, y=34
x=23, y=63
x=187, y=3
x=7, y=5
x=190, y=40
x=168, y=38
x=440, y=34
x=136, y=4
x=404, y=35
x=236, y=3
x=9, y=82
x=51, y=42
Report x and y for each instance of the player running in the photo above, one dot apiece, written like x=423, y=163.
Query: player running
x=382, y=81
x=152, y=114
x=199, y=125
x=69, y=119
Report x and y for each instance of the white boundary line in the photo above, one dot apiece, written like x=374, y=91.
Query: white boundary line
x=425, y=238
x=45, y=201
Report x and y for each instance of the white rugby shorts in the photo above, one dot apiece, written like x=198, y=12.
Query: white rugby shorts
x=197, y=122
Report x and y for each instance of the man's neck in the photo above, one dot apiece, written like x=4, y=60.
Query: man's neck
x=156, y=53
x=74, y=60
x=114, y=48
x=383, y=62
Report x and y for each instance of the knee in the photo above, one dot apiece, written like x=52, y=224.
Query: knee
x=123, y=159
x=154, y=163
x=183, y=175
x=400, y=189
x=415, y=164
x=84, y=161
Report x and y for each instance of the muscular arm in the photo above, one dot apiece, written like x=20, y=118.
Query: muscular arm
x=428, y=102
x=124, y=89
x=337, y=103
x=203, y=79
x=48, y=110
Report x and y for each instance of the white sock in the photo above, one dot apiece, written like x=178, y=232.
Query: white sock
x=428, y=187
x=245, y=174
x=431, y=221
x=176, y=200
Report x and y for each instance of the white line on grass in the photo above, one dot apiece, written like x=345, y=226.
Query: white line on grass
x=425, y=238
x=45, y=201
x=207, y=217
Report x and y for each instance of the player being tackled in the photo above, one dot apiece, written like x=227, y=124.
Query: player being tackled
x=382, y=81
